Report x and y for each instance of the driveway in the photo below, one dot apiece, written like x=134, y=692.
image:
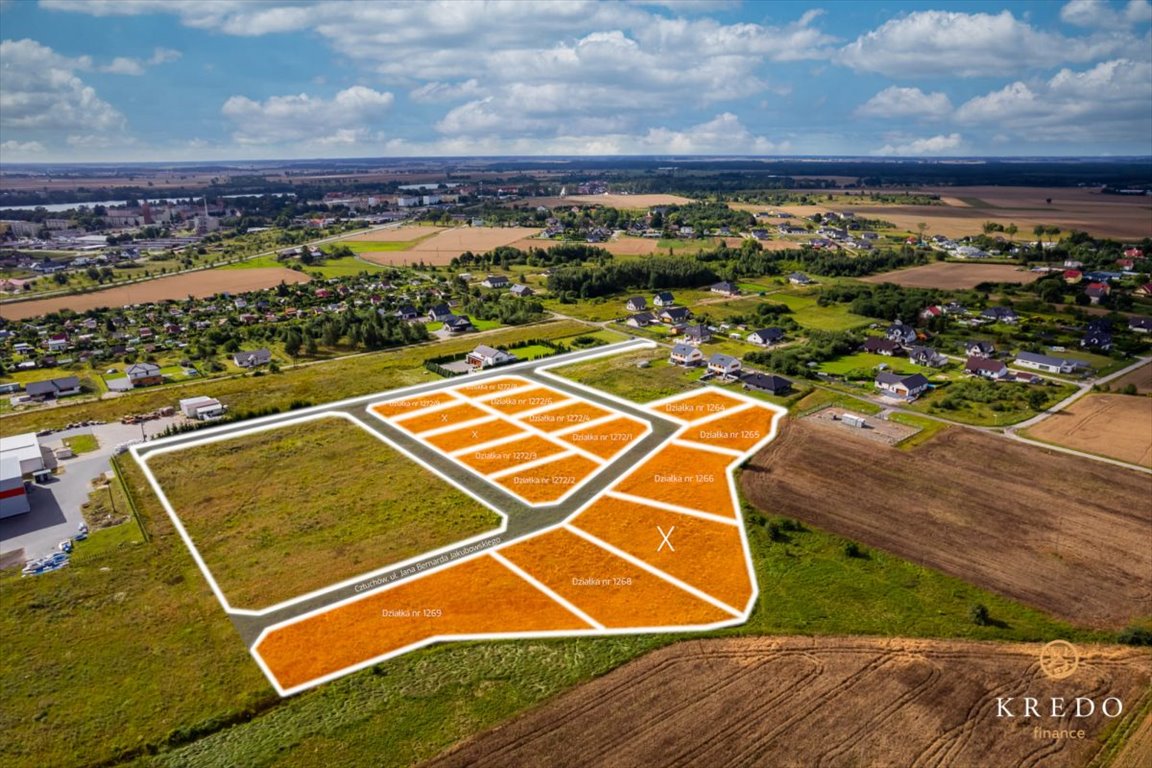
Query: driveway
x=55, y=513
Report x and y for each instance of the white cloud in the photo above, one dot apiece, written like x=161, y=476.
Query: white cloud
x=346, y=118
x=43, y=99
x=935, y=145
x=437, y=91
x=122, y=65
x=164, y=56
x=906, y=102
x=20, y=148
x=1100, y=14
x=1108, y=102
x=927, y=43
x=723, y=135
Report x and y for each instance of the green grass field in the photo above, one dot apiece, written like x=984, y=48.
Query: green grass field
x=621, y=375
x=868, y=362
x=126, y=656
x=967, y=402
x=532, y=351
x=809, y=314
x=82, y=443
x=308, y=505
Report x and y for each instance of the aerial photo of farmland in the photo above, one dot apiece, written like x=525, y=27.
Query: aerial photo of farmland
x=576, y=385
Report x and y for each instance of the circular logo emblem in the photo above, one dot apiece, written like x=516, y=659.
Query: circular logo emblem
x=1059, y=659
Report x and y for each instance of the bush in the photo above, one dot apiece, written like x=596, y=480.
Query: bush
x=979, y=615
x=852, y=549
x=1135, y=636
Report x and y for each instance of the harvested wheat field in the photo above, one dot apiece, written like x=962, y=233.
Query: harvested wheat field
x=1063, y=534
x=952, y=276
x=199, y=284
x=447, y=244
x=402, y=234
x=627, y=202
x=1116, y=426
x=827, y=701
x=1141, y=378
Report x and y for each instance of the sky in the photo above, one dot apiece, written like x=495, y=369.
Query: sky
x=201, y=80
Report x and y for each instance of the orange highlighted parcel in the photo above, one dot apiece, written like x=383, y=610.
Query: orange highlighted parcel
x=706, y=554
x=525, y=400
x=565, y=416
x=549, y=481
x=465, y=437
x=414, y=403
x=686, y=477
x=609, y=589
x=491, y=386
x=473, y=597
x=708, y=402
x=444, y=417
x=607, y=439
x=511, y=454
x=738, y=431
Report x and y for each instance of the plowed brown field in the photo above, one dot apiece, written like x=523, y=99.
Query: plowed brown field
x=199, y=284
x=796, y=701
x=1064, y=534
x=1118, y=426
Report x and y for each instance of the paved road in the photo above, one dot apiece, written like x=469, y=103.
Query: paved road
x=523, y=519
x=56, y=513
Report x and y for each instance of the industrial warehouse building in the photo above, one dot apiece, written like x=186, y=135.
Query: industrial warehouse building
x=20, y=457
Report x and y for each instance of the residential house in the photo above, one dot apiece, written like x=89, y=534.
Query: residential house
x=641, y=320
x=697, y=335
x=53, y=388
x=954, y=308
x=1097, y=338
x=664, y=299
x=906, y=387
x=252, y=358
x=1048, y=364
x=926, y=356
x=406, y=312
x=439, y=313
x=877, y=345
x=1097, y=291
x=987, y=368
x=674, y=315
x=685, y=354
x=488, y=357
x=900, y=333
x=725, y=288
x=522, y=290
x=724, y=365
x=799, y=278
x=929, y=313
x=764, y=382
x=1140, y=324
x=766, y=337
x=1144, y=290
x=495, y=281
x=144, y=374
x=975, y=348
x=458, y=324
x=1000, y=315
x=636, y=304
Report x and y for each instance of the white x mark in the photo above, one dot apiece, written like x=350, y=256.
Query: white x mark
x=475, y=434
x=665, y=539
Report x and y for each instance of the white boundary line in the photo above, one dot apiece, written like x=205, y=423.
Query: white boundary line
x=224, y=432
x=657, y=504
x=545, y=589
x=143, y=461
x=534, y=464
x=742, y=617
x=645, y=566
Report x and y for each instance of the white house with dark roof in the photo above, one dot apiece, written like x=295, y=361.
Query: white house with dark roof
x=685, y=354
x=906, y=387
x=1048, y=364
x=697, y=335
x=664, y=299
x=636, y=304
x=766, y=337
x=720, y=364
x=494, y=281
x=987, y=368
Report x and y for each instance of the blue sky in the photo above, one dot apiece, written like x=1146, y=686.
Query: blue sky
x=91, y=80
